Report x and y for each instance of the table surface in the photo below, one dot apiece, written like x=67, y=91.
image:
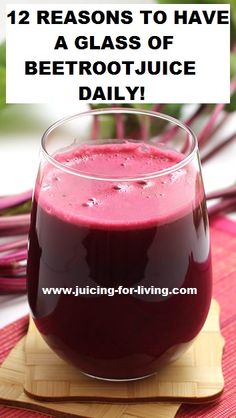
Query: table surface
x=223, y=234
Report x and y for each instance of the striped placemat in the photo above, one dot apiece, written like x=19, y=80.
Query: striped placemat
x=223, y=234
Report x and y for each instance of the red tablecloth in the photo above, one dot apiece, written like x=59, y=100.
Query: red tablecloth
x=223, y=234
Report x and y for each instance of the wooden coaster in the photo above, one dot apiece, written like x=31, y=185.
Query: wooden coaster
x=12, y=394
x=195, y=377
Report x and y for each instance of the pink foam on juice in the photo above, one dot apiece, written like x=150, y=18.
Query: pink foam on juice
x=118, y=203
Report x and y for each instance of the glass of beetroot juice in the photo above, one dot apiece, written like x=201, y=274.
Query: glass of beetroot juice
x=119, y=267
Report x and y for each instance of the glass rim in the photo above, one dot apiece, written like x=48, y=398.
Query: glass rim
x=113, y=110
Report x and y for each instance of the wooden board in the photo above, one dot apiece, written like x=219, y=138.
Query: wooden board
x=195, y=377
x=12, y=394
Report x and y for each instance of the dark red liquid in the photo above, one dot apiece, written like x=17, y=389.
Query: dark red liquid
x=123, y=336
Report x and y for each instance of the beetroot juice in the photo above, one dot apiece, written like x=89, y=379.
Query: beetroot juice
x=90, y=234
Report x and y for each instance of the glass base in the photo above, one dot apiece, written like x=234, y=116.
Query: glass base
x=108, y=379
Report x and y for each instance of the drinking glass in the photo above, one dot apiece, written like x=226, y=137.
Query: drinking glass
x=119, y=265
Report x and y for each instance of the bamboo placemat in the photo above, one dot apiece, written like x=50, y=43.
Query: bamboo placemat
x=195, y=377
x=12, y=375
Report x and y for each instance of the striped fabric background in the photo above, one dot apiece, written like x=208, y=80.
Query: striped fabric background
x=223, y=233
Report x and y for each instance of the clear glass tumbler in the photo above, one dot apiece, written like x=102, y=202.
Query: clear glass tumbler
x=119, y=266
